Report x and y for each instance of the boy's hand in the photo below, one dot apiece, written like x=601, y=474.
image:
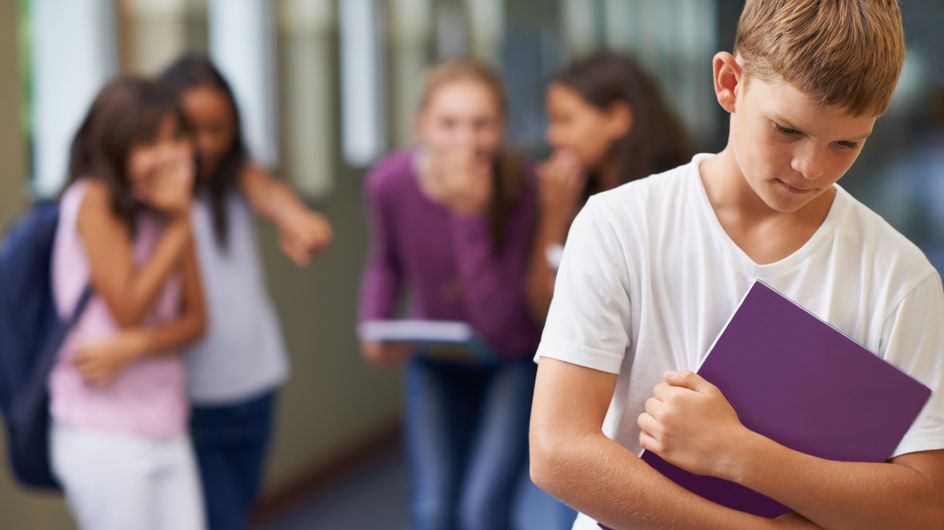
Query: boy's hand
x=387, y=357
x=302, y=234
x=100, y=362
x=690, y=424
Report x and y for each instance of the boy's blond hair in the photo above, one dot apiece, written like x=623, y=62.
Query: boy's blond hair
x=844, y=53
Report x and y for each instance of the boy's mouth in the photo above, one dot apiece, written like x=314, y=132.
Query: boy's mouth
x=794, y=189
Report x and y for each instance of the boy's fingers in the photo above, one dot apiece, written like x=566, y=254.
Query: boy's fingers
x=648, y=424
x=655, y=408
x=689, y=380
x=662, y=391
x=649, y=443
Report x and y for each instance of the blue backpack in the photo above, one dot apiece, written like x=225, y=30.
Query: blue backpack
x=31, y=333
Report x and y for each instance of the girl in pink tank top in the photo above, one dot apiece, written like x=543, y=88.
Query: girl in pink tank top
x=117, y=393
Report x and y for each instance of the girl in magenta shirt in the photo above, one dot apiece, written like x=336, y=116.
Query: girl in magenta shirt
x=451, y=224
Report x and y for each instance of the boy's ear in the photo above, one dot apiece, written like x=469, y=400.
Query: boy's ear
x=727, y=74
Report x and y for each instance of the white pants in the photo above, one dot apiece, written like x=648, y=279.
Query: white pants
x=117, y=481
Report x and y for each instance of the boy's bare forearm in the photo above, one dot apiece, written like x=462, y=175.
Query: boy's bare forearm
x=574, y=461
x=907, y=493
x=606, y=481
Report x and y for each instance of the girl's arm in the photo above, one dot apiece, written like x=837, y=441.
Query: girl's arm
x=382, y=279
x=302, y=232
x=539, y=286
x=128, y=289
x=100, y=362
x=561, y=183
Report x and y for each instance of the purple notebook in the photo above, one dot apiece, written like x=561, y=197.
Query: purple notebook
x=831, y=398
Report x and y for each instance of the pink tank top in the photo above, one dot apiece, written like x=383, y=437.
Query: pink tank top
x=148, y=397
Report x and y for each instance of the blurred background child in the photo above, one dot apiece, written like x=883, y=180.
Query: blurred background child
x=235, y=370
x=119, y=443
x=451, y=222
x=609, y=124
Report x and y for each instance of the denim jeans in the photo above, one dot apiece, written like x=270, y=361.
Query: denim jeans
x=231, y=443
x=466, y=437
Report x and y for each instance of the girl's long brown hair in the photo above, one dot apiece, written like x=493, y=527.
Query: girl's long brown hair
x=657, y=141
x=196, y=70
x=126, y=112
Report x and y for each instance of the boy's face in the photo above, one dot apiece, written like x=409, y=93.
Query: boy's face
x=790, y=148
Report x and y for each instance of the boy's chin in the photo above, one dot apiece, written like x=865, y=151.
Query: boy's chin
x=782, y=202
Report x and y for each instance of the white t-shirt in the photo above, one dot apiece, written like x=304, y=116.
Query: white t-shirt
x=241, y=356
x=649, y=277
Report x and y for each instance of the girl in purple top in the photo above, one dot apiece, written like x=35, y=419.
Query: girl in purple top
x=452, y=221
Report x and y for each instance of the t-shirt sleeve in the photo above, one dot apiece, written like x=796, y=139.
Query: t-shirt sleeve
x=588, y=323
x=913, y=339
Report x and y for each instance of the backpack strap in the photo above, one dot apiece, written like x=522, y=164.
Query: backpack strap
x=34, y=393
x=79, y=308
x=51, y=349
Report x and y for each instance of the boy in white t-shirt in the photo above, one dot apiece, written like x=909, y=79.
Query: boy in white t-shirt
x=652, y=271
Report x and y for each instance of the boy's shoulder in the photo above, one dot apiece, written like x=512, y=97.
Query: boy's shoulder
x=882, y=246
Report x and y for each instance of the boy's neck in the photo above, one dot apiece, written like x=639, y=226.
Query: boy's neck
x=764, y=234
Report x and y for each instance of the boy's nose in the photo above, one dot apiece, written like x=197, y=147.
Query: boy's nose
x=810, y=163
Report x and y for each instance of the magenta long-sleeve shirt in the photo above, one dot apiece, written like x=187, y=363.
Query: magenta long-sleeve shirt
x=446, y=261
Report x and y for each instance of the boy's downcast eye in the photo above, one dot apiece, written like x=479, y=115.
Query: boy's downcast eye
x=785, y=130
x=849, y=145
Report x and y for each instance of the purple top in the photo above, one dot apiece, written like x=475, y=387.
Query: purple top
x=447, y=260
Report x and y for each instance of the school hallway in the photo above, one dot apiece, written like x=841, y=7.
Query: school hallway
x=374, y=495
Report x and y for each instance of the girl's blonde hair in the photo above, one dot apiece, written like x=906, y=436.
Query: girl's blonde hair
x=510, y=176
x=463, y=69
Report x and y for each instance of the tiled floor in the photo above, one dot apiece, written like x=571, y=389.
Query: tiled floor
x=375, y=497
